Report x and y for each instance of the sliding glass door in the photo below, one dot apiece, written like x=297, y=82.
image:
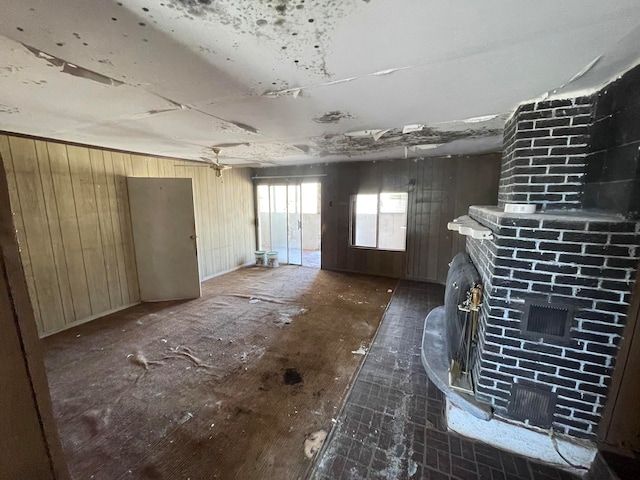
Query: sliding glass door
x=283, y=211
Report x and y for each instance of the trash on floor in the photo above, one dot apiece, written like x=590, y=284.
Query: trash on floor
x=186, y=352
x=139, y=359
x=314, y=442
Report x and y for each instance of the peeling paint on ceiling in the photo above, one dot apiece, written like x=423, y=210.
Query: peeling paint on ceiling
x=332, y=117
x=71, y=69
x=295, y=81
x=353, y=146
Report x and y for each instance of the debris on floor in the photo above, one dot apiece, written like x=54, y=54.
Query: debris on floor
x=186, y=352
x=313, y=443
x=286, y=317
x=185, y=418
x=282, y=320
x=139, y=359
x=413, y=468
x=360, y=351
x=97, y=419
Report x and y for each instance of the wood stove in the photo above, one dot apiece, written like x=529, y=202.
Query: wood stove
x=557, y=285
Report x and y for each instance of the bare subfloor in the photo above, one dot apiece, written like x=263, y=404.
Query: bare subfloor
x=226, y=386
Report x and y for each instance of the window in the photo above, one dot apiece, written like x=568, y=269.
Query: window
x=379, y=220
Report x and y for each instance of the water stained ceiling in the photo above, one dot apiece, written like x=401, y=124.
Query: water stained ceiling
x=277, y=82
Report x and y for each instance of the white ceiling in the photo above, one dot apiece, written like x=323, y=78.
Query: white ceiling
x=294, y=81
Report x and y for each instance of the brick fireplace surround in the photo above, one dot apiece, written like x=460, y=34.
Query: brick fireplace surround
x=577, y=159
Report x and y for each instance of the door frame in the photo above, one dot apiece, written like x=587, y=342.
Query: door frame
x=269, y=181
x=286, y=186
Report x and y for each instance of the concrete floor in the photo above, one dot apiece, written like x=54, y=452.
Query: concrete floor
x=392, y=426
x=309, y=258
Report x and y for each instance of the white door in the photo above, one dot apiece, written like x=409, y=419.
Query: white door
x=164, y=235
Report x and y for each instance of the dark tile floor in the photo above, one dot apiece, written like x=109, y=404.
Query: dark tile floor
x=392, y=426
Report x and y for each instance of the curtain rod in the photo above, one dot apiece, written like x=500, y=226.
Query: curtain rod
x=289, y=176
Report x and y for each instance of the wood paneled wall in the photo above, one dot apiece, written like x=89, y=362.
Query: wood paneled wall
x=440, y=189
x=71, y=213
x=445, y=189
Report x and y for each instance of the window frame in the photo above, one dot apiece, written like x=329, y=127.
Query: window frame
x=352, y=221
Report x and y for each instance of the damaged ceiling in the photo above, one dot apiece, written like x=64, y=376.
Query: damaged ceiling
x=278, y=82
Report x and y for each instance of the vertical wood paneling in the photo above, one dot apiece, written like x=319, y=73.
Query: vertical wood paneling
x=139, y=166
x=5, y=150
x=207, y=224
x=227, y=219
x=89, y=225
x=36, y=231
x=215, y=235
x=70, y=230
x=71, y=211
x=105, y=225
x=121, y=170
x=200, y=222
x=432, y=229
x=152, y=166
x=116, y=229
x=444, y=190
x=447, y=213
x=55, y=231
x=169, y=168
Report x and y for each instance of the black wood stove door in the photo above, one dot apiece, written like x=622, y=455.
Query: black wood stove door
x=461, y=278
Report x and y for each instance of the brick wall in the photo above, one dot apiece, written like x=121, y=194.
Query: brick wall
x=612, y=180
x=586, y=261
x=545, y=147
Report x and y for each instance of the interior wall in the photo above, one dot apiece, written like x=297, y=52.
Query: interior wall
x=71, y=212
x=440, y=189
